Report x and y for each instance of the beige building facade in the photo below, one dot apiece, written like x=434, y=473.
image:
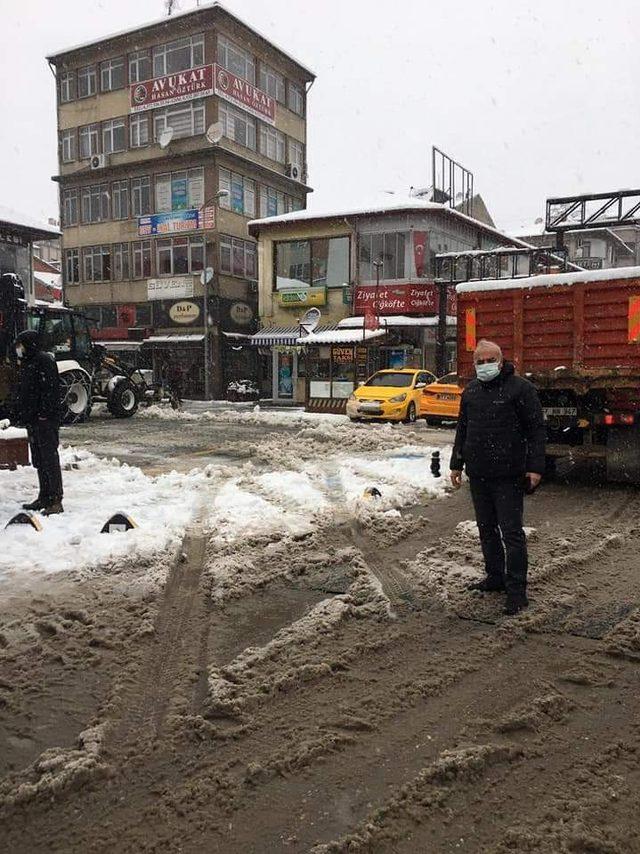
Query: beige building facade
x=328, y=264
x=171, y=138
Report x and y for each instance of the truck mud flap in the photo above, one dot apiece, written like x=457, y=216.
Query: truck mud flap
x=623, y=454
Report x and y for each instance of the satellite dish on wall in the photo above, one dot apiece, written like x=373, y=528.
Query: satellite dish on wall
x=310, y=320
x=215, y=132
x=165, y=137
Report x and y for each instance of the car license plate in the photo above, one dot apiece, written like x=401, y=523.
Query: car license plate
x=372, y=407
x=446, y=397
x=570, y=411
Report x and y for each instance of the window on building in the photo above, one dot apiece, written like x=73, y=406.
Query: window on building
x=241, y=191
x=139, y=66
x=67, y=87
x=70, y=207
x=296, y=99
x=86, y=81
x=185, y=119
x=272, y=202
x=390, y=248
x=238, y=126
x=112, y=74
x=120, y=200
x=113, y=136
x=69, y=145
x=178, y=55
x=89, y=136
x=143, y=314
x=96, y=263
x=237, y=257
x=236, y=60
x=177, y=191
x=140, y=196
x=120, y=260
x=177, y=255
x=312, y=263
x=71, y=266
x=138, y=130
x=95, y=203
x=141, y=253
x=272, y=83
x=272, y=143
x=293, y=263
x=330, y=262
x=296, y=154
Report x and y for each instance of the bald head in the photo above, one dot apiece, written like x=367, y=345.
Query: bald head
x=487, y=351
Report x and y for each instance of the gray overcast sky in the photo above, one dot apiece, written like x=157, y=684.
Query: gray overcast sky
x=536, y=98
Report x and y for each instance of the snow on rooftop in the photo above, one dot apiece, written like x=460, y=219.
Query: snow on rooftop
x=177, y=16
x=392, y=320
x=388, y=202
x=526, y=228
x=550, y=279
x=14, y=217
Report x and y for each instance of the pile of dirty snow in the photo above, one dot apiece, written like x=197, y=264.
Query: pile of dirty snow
x=95, y=489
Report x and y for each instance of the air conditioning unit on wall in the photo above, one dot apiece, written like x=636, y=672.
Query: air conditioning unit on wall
x=99, y=161
x=294, y=171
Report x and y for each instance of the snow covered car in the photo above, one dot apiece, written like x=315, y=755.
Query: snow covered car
x=392, y=395
x=440, y=401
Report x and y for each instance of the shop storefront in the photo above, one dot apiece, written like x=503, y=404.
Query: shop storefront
x=336, y=361
x=178, y=359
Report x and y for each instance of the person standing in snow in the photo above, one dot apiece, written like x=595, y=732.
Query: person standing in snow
x=500, y=443
x=38, y=409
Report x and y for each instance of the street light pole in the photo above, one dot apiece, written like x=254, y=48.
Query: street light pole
x=207, y=275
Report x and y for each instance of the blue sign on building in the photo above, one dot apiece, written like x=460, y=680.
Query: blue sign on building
x=169, y=223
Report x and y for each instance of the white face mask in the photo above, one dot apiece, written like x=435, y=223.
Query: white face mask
x=487, y=372
x=20, y=351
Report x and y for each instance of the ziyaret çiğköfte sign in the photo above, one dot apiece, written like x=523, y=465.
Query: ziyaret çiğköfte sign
x=420, y=298
x=199, y=83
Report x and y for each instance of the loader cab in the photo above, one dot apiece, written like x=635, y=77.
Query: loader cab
x=64, y=334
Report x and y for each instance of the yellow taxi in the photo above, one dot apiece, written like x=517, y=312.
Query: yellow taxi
x=440, y=401
x=394, y=394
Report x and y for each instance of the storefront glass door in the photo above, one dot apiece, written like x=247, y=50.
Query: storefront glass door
x=285, y=374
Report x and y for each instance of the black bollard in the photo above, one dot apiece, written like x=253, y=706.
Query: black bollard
x=435, y=463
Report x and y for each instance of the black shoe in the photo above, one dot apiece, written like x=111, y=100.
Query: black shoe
x=488, y=585
x=38, y=504
x=53, y=509
x=515, y=604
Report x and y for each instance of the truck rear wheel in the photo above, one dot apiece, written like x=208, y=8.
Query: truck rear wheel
x=75, y=397
x=123, y=399
x=623, y=454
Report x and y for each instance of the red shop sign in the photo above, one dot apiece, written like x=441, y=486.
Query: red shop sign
x=244, y=94
x=413, y=299
x=171, y=89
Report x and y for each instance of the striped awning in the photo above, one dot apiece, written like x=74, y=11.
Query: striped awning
x=270, y=335
x=287, y=336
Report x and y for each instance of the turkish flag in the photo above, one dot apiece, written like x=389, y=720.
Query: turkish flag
x=126, y=315
x=371, y=320
x=420, y=251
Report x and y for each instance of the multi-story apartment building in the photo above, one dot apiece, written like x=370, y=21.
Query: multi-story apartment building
x=590, y=248
x=172, y=136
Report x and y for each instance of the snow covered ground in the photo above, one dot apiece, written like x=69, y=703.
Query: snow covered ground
x=95, y=489
x=285, y=492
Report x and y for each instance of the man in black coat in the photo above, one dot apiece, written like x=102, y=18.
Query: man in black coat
x=38, y=409
x=500, y=443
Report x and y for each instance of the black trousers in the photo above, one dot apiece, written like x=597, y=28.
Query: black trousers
x=43, y=441
x=498, y=503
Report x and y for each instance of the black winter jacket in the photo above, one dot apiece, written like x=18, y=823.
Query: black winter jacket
x=39, y=391
x=501, y=429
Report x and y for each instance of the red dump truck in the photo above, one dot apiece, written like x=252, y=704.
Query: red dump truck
x=576, y=336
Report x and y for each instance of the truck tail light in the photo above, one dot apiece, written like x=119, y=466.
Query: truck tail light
x=611, y=419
